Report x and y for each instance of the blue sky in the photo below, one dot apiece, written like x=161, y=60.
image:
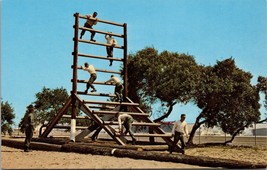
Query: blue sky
x=36, y=39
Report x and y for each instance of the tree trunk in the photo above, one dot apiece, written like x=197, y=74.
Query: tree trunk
x=234, y=135
x=171, y=104
x=195, y=127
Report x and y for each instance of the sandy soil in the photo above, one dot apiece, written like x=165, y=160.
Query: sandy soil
x=17, y=159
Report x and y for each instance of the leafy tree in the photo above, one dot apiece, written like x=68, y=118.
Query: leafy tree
x=7, y=116
x=49, y=102
x=262, y=87
x=227, y=99
x=168, y=77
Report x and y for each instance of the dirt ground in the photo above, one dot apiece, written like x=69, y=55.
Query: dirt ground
x=17, y=159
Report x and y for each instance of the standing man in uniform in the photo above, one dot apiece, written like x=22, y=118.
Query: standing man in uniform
x=112, y=42
x=89, y=24
x=92, y=72
x=118, y=87
x=127, y=121
x=178, y=131
x=28, y=127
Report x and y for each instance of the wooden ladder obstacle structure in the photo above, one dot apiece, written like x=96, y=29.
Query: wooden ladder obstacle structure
x=94, y=109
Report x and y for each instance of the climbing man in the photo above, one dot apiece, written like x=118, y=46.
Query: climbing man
x=118, y=87
x=89, y=24
x=28, y=127
x=126, y=120
x=92, y=72
x=112, y=42
x=178, y=131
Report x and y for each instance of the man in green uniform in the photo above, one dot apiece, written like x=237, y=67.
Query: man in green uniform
x=126, y=120
x=28, y=125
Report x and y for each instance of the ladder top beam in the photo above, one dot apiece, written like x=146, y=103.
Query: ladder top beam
x=103, y=21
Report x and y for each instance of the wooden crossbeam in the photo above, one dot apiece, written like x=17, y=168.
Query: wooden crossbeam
x=147, y=135
x=94, y=117
x=134, y=123
x=117, y=112
x=103, y=21
x=99, y=83
x=68, y=127
x=101, y=70
x=110, y=103
x=77, y=117
x=100, y=57
x=99, y=43
x=96, y=94
x=100, y=107
x=102, y=32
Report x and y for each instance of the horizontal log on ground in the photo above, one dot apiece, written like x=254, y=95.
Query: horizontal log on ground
x=19, y=144
x=159, y=156
x=101, y=70
x=134, y=123
x=96, y=94
x=100, y=57
x=116, y=112
x=77, y=117
x=103, y=21
x=147, y=135
x=110, y=103
x=102, y=32
x=99, y=43
x=99, y=83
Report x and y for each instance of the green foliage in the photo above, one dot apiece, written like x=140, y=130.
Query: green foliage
x=49, y=102
x=227, y=98
x=166, y=77
x=7, y=116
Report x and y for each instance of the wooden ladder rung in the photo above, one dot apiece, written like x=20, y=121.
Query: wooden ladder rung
x=110, y=103
x=100, y=83
x=100, y=57
x=99, y=43
x=115, y=112
x=68, y=127
x=77, y=117
x=168, y=135
x=134, y=123
x=96, y=94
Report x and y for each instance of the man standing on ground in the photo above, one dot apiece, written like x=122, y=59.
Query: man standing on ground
x=28, y=127
x=118, y=87
x=92, y=72
x=178, y=131
x=89, y=24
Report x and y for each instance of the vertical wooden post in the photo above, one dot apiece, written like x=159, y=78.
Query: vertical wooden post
x=74, y=82
x=125, y=64
x=75, y=65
